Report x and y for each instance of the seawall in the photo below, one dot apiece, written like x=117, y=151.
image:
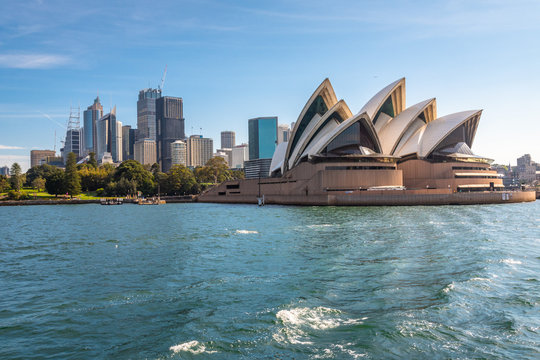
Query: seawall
x=383, y=198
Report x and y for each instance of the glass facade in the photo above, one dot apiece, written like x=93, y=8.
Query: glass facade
x=88, y=130
x=350, y=141
x=317, y=107
x=387, y=108
x=262, y=137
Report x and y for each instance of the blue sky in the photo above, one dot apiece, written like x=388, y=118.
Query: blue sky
x=234, y=60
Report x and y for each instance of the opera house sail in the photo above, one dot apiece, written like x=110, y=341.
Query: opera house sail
x=386, y=154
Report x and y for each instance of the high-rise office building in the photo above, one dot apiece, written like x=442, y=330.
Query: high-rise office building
x=262, y=137
x=179, y=153
x=227, y=139
x=169, y=128
x=283, y=133
x=199, y=150
x=240, y=153
x=144, y=151
x=72, y=143
x=128, y=141
x=4, y=170
x=37, y=157
x=225, y=154
x=90, y=118
x=109, y=136
x=262, y=144
x=146, y=113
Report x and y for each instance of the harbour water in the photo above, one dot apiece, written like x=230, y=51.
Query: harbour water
x=197, y=281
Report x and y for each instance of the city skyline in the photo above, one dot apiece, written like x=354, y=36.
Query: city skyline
x=238, y=61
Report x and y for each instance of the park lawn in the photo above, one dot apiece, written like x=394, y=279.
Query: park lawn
x=43, y=195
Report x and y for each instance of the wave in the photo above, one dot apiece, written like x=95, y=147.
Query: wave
x=511, y=262
x=317, y=226
x=247, y=232
x=193, y=347
x=298, y=322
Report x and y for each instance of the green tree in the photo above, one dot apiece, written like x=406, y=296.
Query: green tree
x=73, y=180
x=237, y=174
x=126, y=187
x=4, y=184
x=94, y=178
x=35, y=172
x=55, y=183
x=16, y=177
x=92, y=161
x=214, y=171
x=162, y=183
x=38, y=183
x=133, y=170
x=181, y=181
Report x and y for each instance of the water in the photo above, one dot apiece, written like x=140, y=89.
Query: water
x=197, y=281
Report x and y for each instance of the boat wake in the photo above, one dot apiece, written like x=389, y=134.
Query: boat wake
x=247, y=232
x=193, y=347
x=298, y=323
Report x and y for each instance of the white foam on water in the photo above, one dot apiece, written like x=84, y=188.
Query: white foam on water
x=511, y=262
x=480, y=279
x=316, y=226
x=326, y=354
x=350, y=352
x=298, y=321
x=247, y=232
x=193, y=347
x=448, y=287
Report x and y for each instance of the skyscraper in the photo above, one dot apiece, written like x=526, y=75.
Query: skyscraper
x=262, y=137
x=128, y=141
x=38, y=156
x=262, y=144
x=144, y=151
x=283, y=133
x=169, y=128
x=199, y=150
x=146, y=113
x=109, y=136
x=90, y=118
x=179, y=153
x=227, y=139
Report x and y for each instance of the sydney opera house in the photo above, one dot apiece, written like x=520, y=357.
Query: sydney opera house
x=385, y=154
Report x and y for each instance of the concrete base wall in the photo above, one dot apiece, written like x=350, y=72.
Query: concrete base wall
x=382, y=198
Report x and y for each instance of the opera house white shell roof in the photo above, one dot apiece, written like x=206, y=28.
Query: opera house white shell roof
x=383, y=127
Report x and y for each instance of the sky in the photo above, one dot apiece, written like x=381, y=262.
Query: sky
x=235, y=60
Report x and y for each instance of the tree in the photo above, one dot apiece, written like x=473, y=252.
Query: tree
x=214, y=171
x=16, y=177
x=4, y=184
x=133, y=170
x=126, y=187
x=73, y=180
x=55, y=183
x=38, y=183
x=94, y=178
x=181, y=181
x=162, y=183
x=92, y=161
x=237, y=174
x=35, y=172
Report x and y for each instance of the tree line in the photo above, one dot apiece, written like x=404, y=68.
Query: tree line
x=127, y=179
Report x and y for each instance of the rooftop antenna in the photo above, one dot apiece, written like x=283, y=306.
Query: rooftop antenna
x=54, y=143
x=160, y=87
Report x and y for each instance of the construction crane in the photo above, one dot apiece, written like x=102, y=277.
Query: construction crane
x=160, y=87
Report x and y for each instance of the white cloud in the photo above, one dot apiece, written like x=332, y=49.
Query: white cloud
x=7, y=147
x=32, y=61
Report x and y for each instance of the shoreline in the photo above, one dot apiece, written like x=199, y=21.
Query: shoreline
x=380, y=199
x=168, y=199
